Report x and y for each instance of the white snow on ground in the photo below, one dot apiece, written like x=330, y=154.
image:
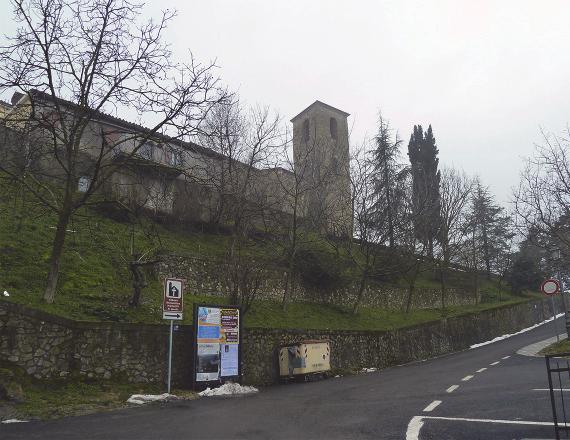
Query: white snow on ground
x=500, y=338
x=141, y=399
x=228, y=389
x=369, y=370
x=14, y=421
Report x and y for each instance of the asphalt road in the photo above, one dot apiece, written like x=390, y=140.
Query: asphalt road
x=497, y=397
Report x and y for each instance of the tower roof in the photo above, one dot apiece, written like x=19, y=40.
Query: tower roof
x=318, y=103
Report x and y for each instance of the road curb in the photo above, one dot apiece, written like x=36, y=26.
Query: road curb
x=533, y=349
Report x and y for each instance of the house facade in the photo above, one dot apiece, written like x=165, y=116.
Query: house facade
x=182, y=180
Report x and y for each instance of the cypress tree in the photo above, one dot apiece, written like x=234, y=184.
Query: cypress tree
x=423, y=154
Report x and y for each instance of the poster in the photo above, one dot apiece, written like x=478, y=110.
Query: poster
x=208, y=365
x=229, y=319
x=208, y=316
x=217, y=342
x=208, y=325
x=229, y=360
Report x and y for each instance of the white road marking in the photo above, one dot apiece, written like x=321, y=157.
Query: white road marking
x=506, y=357
x=414, y=428
x=416, y=423
x=452, y=388
x=466, y=378
x=480, y=370
x=546, y=389
x=432, y=406
x=495, y=363
x=500, y=338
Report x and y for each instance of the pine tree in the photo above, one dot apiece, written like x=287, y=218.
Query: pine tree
x=423, y=152
x=492, y=227
x=386, y=178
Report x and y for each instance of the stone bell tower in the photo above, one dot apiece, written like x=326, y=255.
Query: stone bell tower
x=321, y=157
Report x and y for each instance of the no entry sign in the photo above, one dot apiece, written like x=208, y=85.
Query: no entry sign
x=550, y=287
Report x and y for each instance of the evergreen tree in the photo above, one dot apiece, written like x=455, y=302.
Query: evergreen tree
x=386, y=177
x=423, y=152
x=491, y=226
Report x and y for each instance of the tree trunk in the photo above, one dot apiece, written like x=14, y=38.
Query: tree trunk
x=360, y=294
x=411, y=289
x=285, y=292
x=56, y=253
x=443, y=281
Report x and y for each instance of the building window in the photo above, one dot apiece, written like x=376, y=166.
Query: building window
x=306, y=130
x=83, y=184
x=174, y=157
x=334, y=128
x=146, y=150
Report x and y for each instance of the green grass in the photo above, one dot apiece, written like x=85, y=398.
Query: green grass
x=95, y=283
x=46, y=399
x=557, y=348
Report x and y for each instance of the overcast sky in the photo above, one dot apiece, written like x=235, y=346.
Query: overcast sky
x=485, y=74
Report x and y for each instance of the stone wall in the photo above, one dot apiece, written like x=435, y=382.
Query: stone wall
x=50, y=346
x=203, y=278
x=380, y=349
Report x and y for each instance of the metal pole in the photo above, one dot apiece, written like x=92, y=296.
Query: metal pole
x=553, y=319
x=170, y=355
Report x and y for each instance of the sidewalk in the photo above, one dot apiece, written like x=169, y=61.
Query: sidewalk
x=533, y=349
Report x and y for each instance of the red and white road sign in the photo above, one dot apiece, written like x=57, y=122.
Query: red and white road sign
x=172, y=304
x=550, y=287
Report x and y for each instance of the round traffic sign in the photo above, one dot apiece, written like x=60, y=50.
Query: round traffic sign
x=550, y=287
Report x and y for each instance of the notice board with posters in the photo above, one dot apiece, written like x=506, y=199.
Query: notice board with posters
x=217, y=344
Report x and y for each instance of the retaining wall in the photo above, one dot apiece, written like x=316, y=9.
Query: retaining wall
x=51, y=346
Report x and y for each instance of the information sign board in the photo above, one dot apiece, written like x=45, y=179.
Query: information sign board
x=217, y=349
x=173, y=303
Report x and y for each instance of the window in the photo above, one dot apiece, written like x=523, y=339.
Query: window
x=174, y=157
x=146, y=150
x=306, y=130
x=334, y=128
x=83, y=184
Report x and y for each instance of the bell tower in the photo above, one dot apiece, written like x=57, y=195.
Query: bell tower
x=321, y=159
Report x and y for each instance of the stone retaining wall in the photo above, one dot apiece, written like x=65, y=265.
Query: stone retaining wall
x=46, y=345
x=203, y=278
x=51, y=346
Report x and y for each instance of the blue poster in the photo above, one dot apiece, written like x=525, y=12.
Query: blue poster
x=208, y=332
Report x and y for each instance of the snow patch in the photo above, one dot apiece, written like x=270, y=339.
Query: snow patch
x=228, y=389
x=524, y=330
x=369, y=370
x=14, y=421
x=141, y=399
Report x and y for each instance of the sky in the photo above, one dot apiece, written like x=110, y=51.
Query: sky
x=487, y=74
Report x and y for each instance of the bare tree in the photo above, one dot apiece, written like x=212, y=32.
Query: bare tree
x=297, y=182
x=411, y=251
x=455, y=191
x=244, y=142
x=542, y=200
x=72, y=60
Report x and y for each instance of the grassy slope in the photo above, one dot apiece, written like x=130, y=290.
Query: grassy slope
x=45, y=399
x=557, y=348
x=95, y=283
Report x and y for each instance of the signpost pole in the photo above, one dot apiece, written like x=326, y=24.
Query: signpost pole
x=170, y=356
x=551, y=287
x=554, y=318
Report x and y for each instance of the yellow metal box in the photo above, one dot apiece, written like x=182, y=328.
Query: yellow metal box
x=305, y=357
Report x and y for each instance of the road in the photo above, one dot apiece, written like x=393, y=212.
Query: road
x=484, y=393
